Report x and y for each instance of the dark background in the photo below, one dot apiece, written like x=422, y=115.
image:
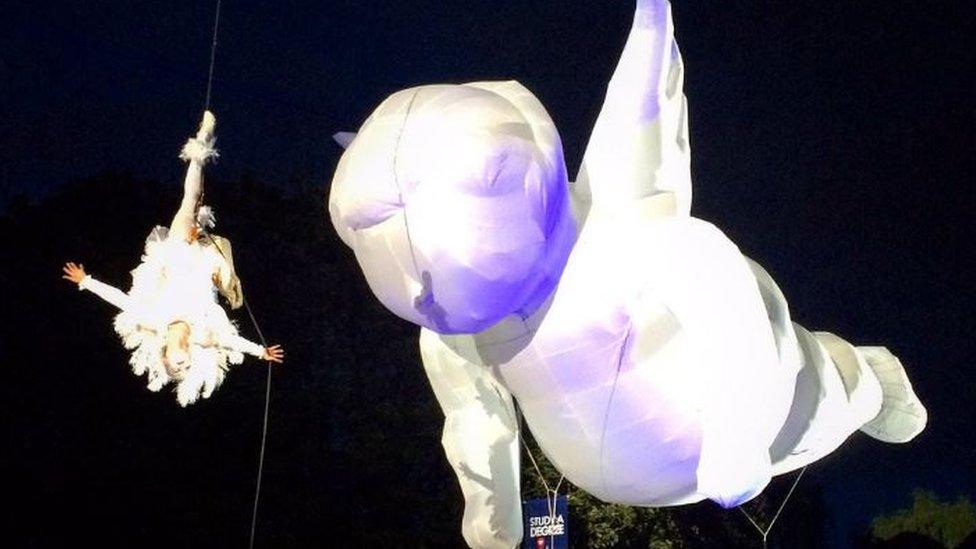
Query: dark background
x=833, y=141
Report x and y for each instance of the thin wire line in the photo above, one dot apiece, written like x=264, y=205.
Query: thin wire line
x=267, y=409
x=788, y=494
x=552, y=495
x=264, y=430
x=247, y=306
x=213, y=57
x=769, y=527
x=761, y=532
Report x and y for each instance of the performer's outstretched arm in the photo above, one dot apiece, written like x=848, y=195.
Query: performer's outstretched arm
x=240, y=344
x=76, y=273
x=197, y=151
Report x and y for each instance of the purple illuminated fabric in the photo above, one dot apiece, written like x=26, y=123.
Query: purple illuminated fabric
x=663, y=368
x=455, y=200
x=660, y=385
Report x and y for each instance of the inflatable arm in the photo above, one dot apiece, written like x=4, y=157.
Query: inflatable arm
x=639, y=145
x=480, y=441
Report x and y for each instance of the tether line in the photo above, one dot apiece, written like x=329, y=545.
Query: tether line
x=552, y=494
x=247, y=306
x=267, y=408
x=765, y=532
x=213, y=57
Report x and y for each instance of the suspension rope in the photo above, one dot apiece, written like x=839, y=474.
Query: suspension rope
x=213, y=57
x=267, y=406
x=552, y=494
x=765, y=532
x=247, y=307
x=264, y=429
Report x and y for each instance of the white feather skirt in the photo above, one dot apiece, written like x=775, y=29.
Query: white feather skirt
x=173, y=283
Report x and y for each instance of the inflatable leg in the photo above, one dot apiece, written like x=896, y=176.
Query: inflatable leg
x=902, y=415
x=840, y=389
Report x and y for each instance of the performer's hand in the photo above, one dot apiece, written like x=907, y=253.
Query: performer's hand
x=74, y=273
x=274, y=353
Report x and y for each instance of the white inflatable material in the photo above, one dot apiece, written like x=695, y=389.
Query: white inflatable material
x=665, y=367
x=647, y=372
x=454, y=199
x=479, y=415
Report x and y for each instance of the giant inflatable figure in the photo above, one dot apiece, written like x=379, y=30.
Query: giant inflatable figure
x=654, y=363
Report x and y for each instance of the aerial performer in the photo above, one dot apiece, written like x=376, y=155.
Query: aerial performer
x=170, y=318
x=654, y=363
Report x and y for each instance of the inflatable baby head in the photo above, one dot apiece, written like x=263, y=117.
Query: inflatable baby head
x=455, y=200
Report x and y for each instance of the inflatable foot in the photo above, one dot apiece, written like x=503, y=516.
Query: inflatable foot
x=902, y=415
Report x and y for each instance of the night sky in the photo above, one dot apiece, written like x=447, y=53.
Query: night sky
x=832, y=141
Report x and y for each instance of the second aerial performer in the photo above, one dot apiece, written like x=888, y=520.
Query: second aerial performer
x=170, y=318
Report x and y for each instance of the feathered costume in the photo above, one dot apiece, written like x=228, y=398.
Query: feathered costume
x=177, y=282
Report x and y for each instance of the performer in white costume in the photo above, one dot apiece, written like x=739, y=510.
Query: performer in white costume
x=170, y=318
x=664, y=368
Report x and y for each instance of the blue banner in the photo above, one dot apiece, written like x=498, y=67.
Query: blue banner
x=542, y=529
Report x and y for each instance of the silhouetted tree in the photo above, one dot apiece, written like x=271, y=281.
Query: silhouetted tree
x=705, y=525
x=946, y=523
x=354, y=440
